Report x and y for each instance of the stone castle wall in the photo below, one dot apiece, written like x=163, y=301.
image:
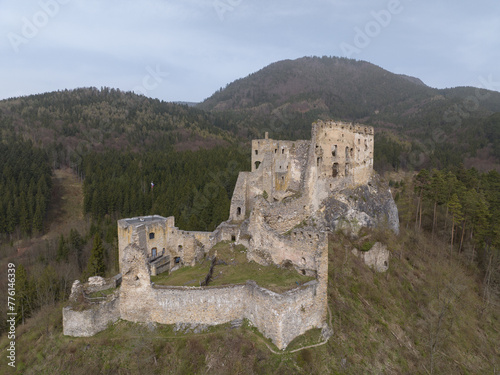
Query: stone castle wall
x=283, y=317
x=280, y=317
x=157, y=235
x=304, y=249
x=90, y=321
x=343, y=150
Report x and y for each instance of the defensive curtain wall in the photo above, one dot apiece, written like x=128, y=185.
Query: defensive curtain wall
x=288, y=183
x=280, y=317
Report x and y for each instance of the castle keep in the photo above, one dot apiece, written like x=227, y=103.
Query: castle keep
x=291, y=184
x=302, y=174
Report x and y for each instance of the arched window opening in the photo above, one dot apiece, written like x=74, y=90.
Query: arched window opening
x=335, y=169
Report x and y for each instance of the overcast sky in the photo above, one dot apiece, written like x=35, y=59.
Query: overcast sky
x=185, y=50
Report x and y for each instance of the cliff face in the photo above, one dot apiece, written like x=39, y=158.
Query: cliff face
x=369, y=205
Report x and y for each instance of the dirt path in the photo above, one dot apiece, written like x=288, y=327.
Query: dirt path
x=65, y=211
x=66, y=207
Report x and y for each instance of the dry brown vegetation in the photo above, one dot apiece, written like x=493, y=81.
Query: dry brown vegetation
x=425, y=315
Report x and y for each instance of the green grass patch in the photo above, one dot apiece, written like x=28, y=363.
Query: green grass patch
x=234, y=268
x=190, y=276
x=311, y=337
x=367, y=245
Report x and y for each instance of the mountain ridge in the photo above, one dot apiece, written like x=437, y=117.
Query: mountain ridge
x=439, y=127
x=286, y=96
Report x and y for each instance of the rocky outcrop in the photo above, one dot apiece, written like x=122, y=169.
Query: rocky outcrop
x=369, y=205
x=377, y=257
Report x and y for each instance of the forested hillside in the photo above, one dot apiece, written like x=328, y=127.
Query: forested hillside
x=461, y=207
x=70, y=123
x=439, y=126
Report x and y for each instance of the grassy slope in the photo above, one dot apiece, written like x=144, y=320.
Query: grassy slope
x=383, y=323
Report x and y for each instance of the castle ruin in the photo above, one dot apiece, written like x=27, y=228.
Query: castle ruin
x=291, y=183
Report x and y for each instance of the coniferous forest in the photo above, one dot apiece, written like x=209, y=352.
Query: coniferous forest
x=195, y=187
x=25, y=187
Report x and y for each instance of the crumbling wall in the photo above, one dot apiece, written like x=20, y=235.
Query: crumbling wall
x=273, y=314
x=238, y=209
x=92, y=320
x=267, y=246
x=282, y=317
x=343, y=151
x=86, y=316
x=136, y=295
x=157, y=235
x=377, y=257
x=284, y=215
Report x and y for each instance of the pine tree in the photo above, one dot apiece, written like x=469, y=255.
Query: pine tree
x=76, y=243
x=457, y=216
x=421, y=186
x=38, y=219
x=62, y=250
x=96, y=265
x=24, y=295
x=437, y=194
x=24, y=218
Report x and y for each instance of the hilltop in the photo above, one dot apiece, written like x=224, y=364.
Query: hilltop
x=71, y=123
x=436, y=126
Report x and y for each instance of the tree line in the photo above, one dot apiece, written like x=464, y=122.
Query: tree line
x=462, y=205
x=195, y=187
